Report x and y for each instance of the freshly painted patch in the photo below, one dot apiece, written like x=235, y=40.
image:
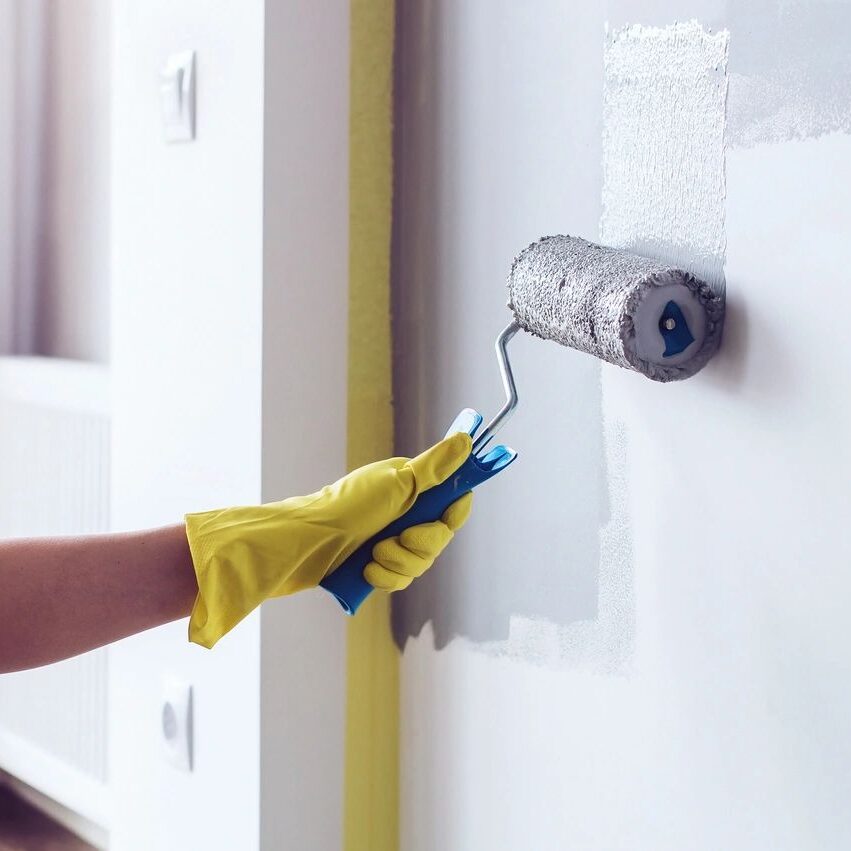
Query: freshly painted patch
x=790, y=70
x=663, y=145
x=663, y=196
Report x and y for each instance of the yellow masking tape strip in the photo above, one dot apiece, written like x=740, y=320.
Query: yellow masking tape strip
x=371, y=820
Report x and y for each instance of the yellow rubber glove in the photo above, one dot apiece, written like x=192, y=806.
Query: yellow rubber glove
x=243, y=556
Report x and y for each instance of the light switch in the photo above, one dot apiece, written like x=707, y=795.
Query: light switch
x=176, y=724
x=177, y=97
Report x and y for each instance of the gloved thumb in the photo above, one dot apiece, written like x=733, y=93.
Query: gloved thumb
x=437, y=464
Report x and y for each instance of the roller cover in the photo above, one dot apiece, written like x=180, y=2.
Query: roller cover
x=626, y=309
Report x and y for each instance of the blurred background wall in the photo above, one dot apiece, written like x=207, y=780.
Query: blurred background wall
x=159, y=307
x=55, y=170
x=55, y=130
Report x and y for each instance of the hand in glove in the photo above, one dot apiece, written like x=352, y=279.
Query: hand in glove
x=243, y=556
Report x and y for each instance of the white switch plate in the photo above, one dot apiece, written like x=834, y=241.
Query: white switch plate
x=177, y=97
x=176, y=723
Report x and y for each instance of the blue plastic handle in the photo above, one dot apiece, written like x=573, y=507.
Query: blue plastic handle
x=347, y=582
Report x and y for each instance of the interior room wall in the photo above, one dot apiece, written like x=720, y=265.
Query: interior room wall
x=186, y=343
x=683, y=682
x=228, y=312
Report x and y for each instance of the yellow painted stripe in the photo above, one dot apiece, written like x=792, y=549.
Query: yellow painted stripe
x=371, y=820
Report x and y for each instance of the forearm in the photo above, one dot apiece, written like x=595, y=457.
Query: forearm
x=63, y=596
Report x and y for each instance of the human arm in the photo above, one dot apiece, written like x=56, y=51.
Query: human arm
x=64, y=596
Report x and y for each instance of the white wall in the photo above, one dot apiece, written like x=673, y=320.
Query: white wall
x=701, y=704
x=217, y=338
x=186, y=347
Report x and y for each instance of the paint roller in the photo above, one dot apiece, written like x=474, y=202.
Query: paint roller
x=623, y=308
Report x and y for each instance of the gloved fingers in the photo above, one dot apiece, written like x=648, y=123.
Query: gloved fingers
x=397, y=561
x=459, y=512
x=385, y=580
x=394, y=555
x=426, y=540
x=437, y=464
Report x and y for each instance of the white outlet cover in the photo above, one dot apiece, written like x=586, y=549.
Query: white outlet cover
x=177, y=97
x=176, y=724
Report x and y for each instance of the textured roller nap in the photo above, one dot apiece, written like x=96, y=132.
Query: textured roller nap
x=587, y=296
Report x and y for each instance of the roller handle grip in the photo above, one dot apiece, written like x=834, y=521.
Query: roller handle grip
x=347, y=582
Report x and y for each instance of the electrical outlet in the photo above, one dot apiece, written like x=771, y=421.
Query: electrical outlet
x=176, y=724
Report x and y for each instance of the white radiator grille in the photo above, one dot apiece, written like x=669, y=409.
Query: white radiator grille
x=54, y=479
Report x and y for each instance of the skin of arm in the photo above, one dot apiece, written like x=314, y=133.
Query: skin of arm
x=62, y=596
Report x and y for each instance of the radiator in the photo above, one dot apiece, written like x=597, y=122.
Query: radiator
x=54, y=479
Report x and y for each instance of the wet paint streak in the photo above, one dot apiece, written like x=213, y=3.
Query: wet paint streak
x=663, y=145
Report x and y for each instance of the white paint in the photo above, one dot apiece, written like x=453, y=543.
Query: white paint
x=728, y=728
x=791, y=72
x=663, y=145
x=215, y=334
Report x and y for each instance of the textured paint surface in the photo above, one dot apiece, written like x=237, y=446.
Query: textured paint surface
x=790, y=70
x=371, y=818
x=663, y=185
x=789, y=67
x=663, y=145
x=483, y=169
